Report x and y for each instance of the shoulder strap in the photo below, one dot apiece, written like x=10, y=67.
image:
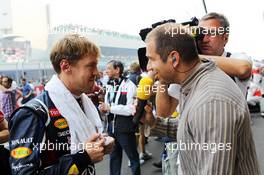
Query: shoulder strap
x=228, y=54
x=119, y=83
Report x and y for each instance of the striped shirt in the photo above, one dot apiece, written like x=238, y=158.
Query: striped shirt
x=8, y=103
x=214, y=134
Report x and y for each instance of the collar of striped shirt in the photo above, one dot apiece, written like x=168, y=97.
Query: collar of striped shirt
x=198, y=70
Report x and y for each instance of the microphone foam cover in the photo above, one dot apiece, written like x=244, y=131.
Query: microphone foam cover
x=144, y=88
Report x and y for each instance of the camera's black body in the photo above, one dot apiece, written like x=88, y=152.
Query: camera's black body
x=143, y=60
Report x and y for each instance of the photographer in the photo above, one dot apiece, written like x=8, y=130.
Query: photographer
x=210, y=113
x=239, y=65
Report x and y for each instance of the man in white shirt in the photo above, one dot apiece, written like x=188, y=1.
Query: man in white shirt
x=118, y=106
x=213, y=44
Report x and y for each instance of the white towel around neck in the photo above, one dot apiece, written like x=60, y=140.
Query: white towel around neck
x=82, y=125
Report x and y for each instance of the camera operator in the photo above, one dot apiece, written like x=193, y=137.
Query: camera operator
x=210, y=113
x=213, y=43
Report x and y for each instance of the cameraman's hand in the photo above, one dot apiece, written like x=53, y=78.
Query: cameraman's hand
x=95, y=148
x=149, y=118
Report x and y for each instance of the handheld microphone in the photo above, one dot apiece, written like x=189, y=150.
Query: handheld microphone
x=143, y=94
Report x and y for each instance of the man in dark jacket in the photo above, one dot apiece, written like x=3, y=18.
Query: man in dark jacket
x=119, y=98
x=57, y=133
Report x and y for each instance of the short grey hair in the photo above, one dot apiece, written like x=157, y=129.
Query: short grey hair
x=219, y=17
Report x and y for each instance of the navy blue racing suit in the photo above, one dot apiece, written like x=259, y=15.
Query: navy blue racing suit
x=40, y=143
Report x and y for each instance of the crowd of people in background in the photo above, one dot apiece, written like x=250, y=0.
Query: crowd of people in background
x=13, y=95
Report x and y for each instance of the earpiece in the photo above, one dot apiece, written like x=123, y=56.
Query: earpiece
x=173, y=59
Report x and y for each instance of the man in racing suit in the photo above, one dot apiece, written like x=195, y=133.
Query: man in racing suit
x=57, y=133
